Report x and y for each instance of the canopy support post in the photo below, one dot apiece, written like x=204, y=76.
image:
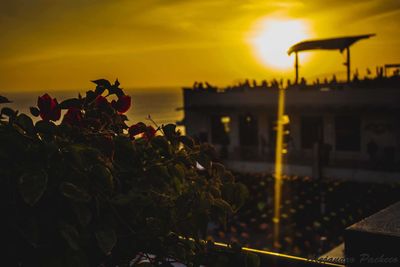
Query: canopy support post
x=348, y=64
x=296, y=67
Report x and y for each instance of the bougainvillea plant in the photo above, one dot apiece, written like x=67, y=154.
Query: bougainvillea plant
x=83, y=187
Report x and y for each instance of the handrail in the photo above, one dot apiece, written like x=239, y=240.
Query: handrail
x=274, y=254
x=281, y=255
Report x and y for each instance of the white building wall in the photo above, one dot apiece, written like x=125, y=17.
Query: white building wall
x=196, y=122
x=295, y=130
x=234, y=132
x=263, y=130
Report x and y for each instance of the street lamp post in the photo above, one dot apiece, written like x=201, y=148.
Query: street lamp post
x=278, y=163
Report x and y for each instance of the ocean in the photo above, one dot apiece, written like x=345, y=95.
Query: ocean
x=160, y=103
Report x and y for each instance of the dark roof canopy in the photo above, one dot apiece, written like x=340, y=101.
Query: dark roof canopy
x=340, y=43
x=392, y=65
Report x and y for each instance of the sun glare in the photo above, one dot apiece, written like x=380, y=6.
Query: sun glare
x=271, y=38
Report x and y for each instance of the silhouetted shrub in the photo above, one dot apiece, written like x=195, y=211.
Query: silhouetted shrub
x=92, y=191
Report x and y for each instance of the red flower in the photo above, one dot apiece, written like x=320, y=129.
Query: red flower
x=136, y=129
x=73, y=116
x=48, y=107
x=149, y=133
x=101, y=101
x=122, y=104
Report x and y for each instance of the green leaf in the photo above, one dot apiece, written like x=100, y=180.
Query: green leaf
x=103, y=177
x=178, y=170
x=177, y=184
x=30, y=231
x=115, y=90
x=46, y=127
x=252, y=260
x=169, y=130
x=241, y=194
x=4, y=99
x=69, y=103
x=215, y=192
x=203, y=160
x=222, y=260
x=161, y=170
x=8, y=112
x=106, y=239
x=228, y=177
x=70, y=234
x=121, y=199
x=222, y=204
x=102, y=83
x=34, y=111
x=83, y=214
x=72, y=258
x=90, y=96
x=32, y=186
x=75, y=193
x=25, y=122
x=187, y=141
x=144, y=264
x=161, y=143
x=217, y=169
x=228, y=191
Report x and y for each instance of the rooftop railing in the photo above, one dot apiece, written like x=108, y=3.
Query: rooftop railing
x=332, y=84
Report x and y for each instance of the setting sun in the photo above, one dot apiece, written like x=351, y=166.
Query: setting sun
x=271, y=38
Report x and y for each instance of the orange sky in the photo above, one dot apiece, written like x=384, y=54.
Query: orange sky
x=62, y=44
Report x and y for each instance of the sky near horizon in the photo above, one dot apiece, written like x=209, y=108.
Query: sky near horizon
x=63, y=44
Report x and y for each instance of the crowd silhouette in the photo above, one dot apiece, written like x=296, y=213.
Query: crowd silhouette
x=368, y=81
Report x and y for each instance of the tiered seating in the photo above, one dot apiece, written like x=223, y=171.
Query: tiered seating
x=313, y=214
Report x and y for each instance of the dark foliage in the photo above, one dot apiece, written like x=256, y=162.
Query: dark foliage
x=88, y=192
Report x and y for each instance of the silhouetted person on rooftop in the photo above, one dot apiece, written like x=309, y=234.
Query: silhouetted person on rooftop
x=355, y=77
x=274, y=84
x=334, y=80
x=200, y=86
x=246, y=84
x=264, y=84
x=379, y=72
x=210, y=87
x=303, y=81
x=368, y=71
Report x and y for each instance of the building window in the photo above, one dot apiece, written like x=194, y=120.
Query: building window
x=248, y=130
x=272, y=127
x=220, y=127
x=348, y=133
x=226, y=120
x=311, y=131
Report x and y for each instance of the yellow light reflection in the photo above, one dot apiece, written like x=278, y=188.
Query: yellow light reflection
x=270, y=39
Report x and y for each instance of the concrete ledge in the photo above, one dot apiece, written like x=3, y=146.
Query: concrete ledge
x=375, y=241
x=335, y=255
x=304, y=170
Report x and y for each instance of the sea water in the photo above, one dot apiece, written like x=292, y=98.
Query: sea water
x=163, y=105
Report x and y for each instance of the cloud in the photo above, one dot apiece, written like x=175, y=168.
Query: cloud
x=351, y=11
